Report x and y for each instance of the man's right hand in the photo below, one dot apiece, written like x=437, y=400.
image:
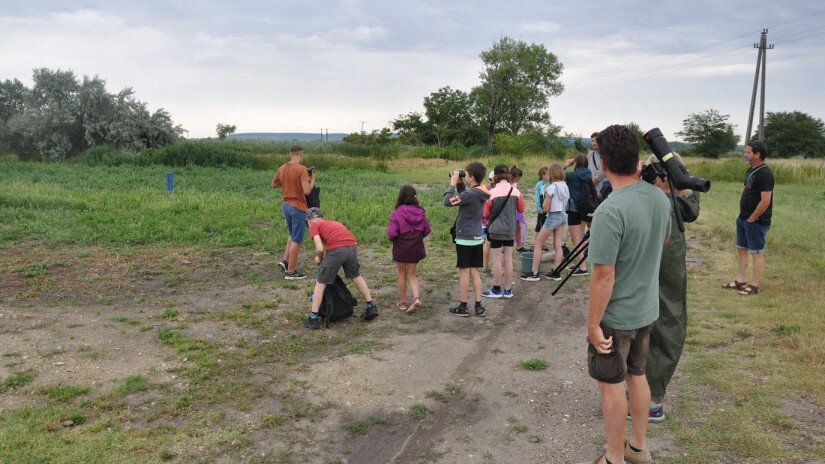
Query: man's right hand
x=596, y=337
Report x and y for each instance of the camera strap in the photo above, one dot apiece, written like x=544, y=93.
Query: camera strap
x=754, y=172
x=495, y=216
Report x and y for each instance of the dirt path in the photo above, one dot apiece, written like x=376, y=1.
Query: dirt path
x=485, y=407
x=404, y=389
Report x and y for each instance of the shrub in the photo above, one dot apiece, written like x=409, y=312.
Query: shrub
x=198, y=153
x=105, y=155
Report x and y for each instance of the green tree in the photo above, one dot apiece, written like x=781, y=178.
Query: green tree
x=794, y=134
x=710, y=133
x=225, y=129
x=60, y=117
x=449, y=116
x=577, y=143
x=13, y=95
x=640, y=135
x=516, y=83
x=412, y=129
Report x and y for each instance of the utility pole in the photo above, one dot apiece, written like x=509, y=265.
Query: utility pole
x=760, y=66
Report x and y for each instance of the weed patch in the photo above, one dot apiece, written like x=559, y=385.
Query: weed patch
x=535, y=364
x=63, y=393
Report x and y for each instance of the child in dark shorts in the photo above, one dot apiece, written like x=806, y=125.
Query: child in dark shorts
x=406, y=229
x=468, y=239
x=335, y=247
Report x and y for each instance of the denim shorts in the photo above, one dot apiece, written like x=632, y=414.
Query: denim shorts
x=555, y=220
x=750, y=235
x=296, y=222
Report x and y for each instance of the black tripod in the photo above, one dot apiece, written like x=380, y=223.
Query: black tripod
x=580, y=249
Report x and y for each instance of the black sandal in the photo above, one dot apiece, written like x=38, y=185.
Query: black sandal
x=735, y=285
x=749, y=290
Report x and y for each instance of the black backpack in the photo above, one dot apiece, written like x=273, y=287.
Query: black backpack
x=338, y=302
x=588, y=199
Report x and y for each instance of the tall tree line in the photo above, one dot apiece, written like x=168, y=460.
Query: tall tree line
x=61, y=116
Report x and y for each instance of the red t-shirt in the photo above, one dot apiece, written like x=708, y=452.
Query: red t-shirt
x=290, y=177
x=333, y=234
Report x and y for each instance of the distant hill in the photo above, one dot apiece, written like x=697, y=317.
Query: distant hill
x=286, y=136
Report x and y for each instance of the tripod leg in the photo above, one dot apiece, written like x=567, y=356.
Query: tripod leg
x=580, y=248
x=569, y=274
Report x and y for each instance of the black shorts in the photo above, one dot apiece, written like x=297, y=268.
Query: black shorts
x=628, y=355
x=574, y=218
x=469, y=256
x=499, y=243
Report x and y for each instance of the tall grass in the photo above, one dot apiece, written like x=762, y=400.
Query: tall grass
x=804, y=172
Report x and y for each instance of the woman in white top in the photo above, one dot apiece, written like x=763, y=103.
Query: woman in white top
x=556, y=196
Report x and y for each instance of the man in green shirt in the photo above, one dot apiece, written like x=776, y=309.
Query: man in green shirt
x=625, y=248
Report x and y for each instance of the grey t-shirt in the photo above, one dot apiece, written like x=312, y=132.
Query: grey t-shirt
x=628, y=231
x=594, y=163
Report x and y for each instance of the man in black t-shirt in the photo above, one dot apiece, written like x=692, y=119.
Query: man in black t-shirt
x=754, y=221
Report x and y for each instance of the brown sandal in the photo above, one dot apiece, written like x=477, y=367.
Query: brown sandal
x=735, y=285
x=749, y=290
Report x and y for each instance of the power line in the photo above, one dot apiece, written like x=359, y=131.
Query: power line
x=596, y=84
x=664, y=68
x=801, y=32
x=739, y=51
x=800, y=38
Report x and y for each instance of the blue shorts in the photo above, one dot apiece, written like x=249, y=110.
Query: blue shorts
x=750, y=235
x=296, y=222
x=555, y=220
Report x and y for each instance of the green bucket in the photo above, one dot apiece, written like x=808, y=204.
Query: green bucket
x=527, y=261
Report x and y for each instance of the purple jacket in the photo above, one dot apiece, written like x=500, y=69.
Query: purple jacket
x=406, y=218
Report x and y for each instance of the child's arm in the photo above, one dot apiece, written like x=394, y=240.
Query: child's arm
x=276, y=179
x=319, y=249
x=548, y=198
x=520, y=205
x=392, y=227
x=427, y=228
x=488, y=207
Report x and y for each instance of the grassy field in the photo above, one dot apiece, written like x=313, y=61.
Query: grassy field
x=750, y=386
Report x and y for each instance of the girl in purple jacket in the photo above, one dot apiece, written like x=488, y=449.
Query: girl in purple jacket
x=406, y=230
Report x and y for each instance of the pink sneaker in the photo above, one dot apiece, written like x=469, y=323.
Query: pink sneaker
x=402, y=305
x=414, y=306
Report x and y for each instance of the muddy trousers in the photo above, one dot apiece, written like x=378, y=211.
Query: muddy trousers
x=668, y=336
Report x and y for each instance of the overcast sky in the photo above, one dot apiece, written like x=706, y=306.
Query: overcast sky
x=299, y=66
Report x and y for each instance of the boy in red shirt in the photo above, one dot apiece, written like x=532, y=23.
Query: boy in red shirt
x=335, y=247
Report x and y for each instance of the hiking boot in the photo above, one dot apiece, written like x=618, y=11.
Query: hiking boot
x=480, y=311
x=370, y=312
x=282, y=264
x=656, y=414
x=636, y=457
x=507, y=293
x=530, y=276
x=580, y=272
x=460, y=310
x=491, y=294
x=553, y=276
x=312, y=322
x=295, y=275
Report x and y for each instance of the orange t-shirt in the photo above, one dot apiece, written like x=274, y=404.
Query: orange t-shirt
x=290, y=177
